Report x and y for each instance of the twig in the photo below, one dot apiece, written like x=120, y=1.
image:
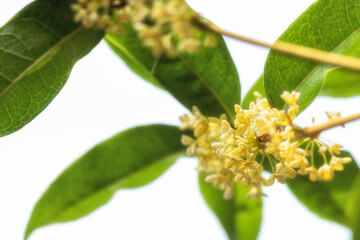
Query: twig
x=291, y=49
x=314, y=131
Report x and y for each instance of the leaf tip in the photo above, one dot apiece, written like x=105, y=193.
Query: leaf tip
x=28, y=232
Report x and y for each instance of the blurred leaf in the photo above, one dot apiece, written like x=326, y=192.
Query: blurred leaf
x=329, y=25
x=342, y=83
x=240, y=217
x=208, y=80
x=257, y=87
x=38, y=48
x=129, y=159
x=354, y=208
x=330, y=199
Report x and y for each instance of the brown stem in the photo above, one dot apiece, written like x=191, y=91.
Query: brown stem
x=314, y=131
x=291, y=49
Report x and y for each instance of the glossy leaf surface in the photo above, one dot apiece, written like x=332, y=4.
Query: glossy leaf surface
x=250, y=97
x=329, y=25
x=341, y=83
x=129, y=159
x=208, y=80
x=38, y=48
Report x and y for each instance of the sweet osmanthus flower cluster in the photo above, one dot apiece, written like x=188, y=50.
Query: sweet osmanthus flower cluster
x=166, y=27
x=237, y=152
x=254, y=147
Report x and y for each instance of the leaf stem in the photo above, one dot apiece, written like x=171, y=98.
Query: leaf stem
x=314, y=131
x=291, y=49
x=271, y=163
x=312, y=154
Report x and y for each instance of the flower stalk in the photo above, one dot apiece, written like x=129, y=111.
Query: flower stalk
x=313, y=132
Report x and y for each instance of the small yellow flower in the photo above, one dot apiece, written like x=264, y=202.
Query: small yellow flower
x=268, y=182
x=189, y=45
x=255, y=192
x=335, y=149
x=291, y=98
x=282, y=169
x=157, y=23
x=228, y=152
x=326, y=172
x=336, y=163
x=313, y=173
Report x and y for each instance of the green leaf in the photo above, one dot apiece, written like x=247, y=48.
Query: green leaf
x=329, y=25
x=129, y=159
x=38, y=48
x=240, y=217
x=208, y=80
x=250, y=97
x=354, y=208
x=341, y=83
x=330, y=199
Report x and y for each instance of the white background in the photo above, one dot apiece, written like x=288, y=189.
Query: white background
x=103, y=97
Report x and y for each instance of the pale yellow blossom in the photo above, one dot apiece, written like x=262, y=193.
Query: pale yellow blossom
x=231, y=153
x=166, y=27
x=326, y=172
